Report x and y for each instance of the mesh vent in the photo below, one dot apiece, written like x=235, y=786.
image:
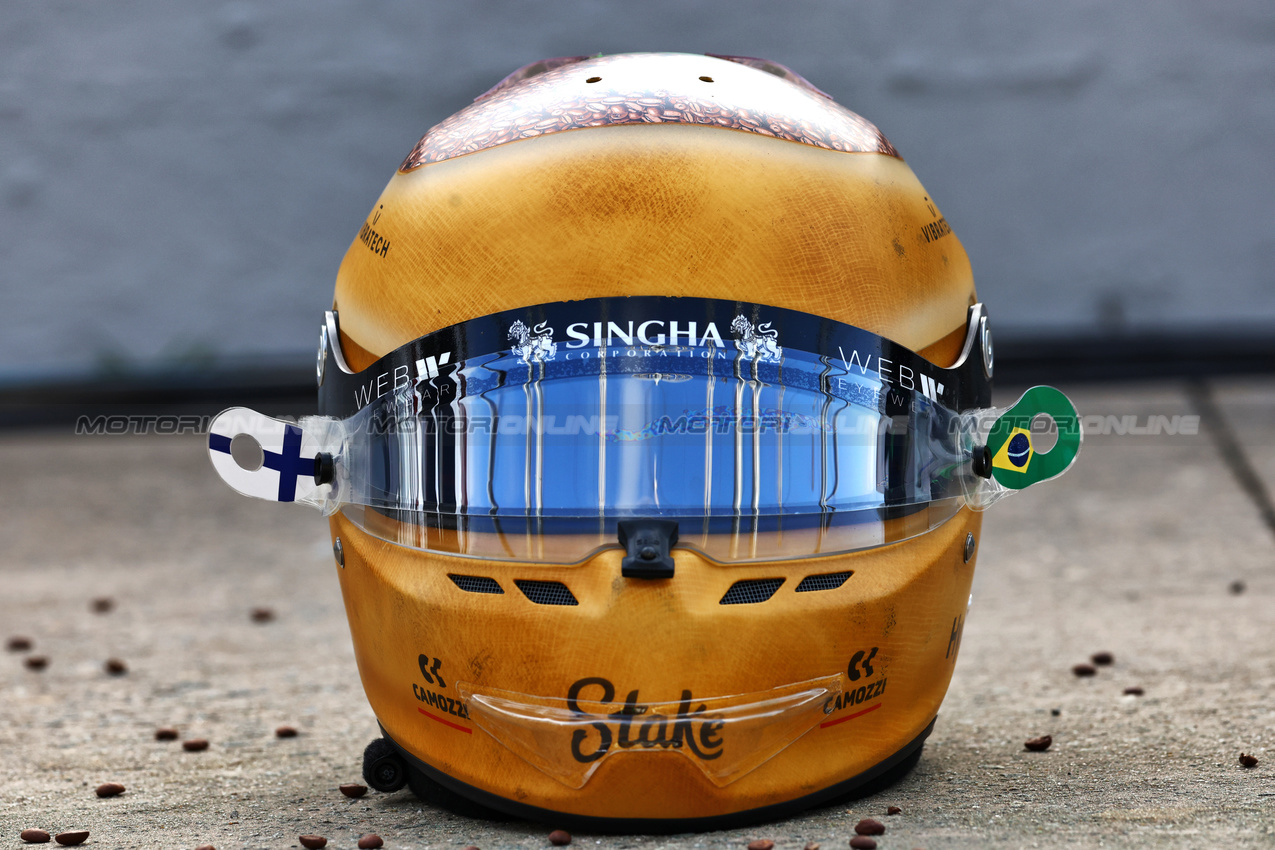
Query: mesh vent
x=546, y=592
x=826, y=581
x=752, y=590
x=477, y=584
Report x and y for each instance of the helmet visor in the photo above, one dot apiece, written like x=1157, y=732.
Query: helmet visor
x=763, y=432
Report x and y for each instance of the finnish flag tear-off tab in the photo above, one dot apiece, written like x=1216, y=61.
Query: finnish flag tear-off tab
x=292, y=457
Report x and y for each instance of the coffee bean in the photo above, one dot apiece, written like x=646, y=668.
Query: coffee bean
x=205, y=847
x=166, y=733
x=34, y=836
x=863, y=842
x=110, y=789
x=1248, y=760
x=353, y=790
x=262, y=615
x=812, y=845
x=36, y=662
x=1038, y=745
x=1134, y=691
x=17, y=643
x=868, y=826
x=371, y=841
x=70, y=838
x=472, y=847
x=195, y=745
x=559, y=838
x=115, y=667
x=1084, y=669
x=894, y=810
x=313, y=842
x=1237, y=587
x=102, y=605
x=1102, y=659
x=761, y=844
x=285, y=732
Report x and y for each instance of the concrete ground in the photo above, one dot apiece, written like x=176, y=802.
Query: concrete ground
x=1138, y=551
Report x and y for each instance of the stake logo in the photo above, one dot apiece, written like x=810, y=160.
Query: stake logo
x=532, y=345
x=692, y=730
x=931, y=388
x=760, y=343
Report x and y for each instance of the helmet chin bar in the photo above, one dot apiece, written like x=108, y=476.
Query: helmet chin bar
x=663, y=398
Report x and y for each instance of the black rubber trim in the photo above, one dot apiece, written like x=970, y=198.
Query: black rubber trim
x=599, y=825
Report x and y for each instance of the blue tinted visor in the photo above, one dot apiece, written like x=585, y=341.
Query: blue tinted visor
x=764, y=433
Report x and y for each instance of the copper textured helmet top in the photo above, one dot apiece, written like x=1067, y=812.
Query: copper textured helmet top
x=572, y=93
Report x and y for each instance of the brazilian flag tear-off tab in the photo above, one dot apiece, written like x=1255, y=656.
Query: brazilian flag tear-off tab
x=1015, y=462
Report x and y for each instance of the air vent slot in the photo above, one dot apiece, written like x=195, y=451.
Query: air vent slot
x=823, y=581
x=751, y=591
x=476, y=584
x=546, y=592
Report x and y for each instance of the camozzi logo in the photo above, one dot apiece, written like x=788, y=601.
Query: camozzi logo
x=536, y=344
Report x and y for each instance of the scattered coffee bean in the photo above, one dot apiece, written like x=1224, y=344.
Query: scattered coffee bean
x=1084, y=669
x=352, y=791
x=34, y=836
x=761, y=844
x=110, y=789
x=285, y=732
x=195, y=745
x=262, y=615
x=36, y=662
x=205, y=847
x=1038, y=745
x=894, y=810
x=70, y=838
x=1134, y=691
x=166, y=733
x=1102, y=659
x=472, y=847
x=1248, y=760
x=115, y=667
x=313, y=842
x=1237, y=587
x=17, y=643
x=559, y=838
x=371, y=841
x=868, y=826
x=102, y=605
x=863, y=842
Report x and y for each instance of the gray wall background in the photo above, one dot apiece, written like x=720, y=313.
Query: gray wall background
x=179, y=181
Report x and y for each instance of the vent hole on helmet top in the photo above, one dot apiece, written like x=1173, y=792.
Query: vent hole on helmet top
x=594, y=80
x=751, y=591
x=546, y=592
x=476, y=584
x=247, y=452
x=706, y=79
x=823, y=581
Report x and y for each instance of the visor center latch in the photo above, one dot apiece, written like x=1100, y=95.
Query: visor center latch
x=647, y=542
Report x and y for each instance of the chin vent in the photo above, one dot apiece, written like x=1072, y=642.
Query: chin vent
x=824, y=581
x=751, y=591
x=476, y=584
x=546, y=592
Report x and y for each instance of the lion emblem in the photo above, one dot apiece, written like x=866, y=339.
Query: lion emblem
x=760, y=343
x=532, y=345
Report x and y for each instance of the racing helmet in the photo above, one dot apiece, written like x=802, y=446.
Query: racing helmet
x=654, y=429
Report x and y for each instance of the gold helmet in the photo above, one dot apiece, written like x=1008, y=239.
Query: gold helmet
x=655, y=415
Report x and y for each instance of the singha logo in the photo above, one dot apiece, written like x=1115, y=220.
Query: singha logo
x=760, y=343
x=532, y=345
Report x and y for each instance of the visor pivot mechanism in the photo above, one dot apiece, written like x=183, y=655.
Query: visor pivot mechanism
x=647, y=542
x=981, y=463
x=324, y=468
